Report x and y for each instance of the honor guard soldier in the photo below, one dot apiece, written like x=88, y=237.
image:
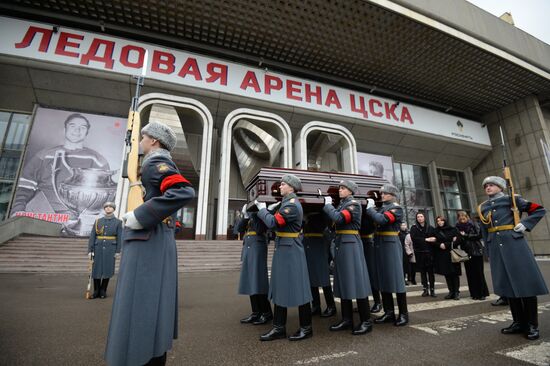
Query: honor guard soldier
x=289, y=285
x=389, y=255
x=144, y=319
x=103, y=246
x=351, y=276
x=367, y=237
x=254, y=280
x=514, y=270
x=316, y=244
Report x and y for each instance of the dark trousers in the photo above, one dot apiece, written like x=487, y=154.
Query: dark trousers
x=453, y=283
x=424, y=265
x=376, y=296
x=412, y=272
x=327, y=292
x=280, y=314
x=524, y=310
x=260, y=304
x=388, y=304
x=362, y=308
x=476, y=278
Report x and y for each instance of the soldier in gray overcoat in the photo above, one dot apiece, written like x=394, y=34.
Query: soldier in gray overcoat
x=351, y=276
x=254, y=280
x=367, y=237
x=316, y=244
x=389, y=255
x=514, y=270
x=289, y=285
x=103, y=247
x=144, y=319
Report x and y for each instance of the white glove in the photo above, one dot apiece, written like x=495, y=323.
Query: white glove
x=130, y=221
x=520, y=228
x=370, y=203
x=90, y=255
x=328, y=200
x=273, y=206
x=260, y=205
x=243, y=211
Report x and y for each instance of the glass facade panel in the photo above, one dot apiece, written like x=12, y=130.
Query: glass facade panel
x=454, y=193
x=13, y=135
x=416, y=194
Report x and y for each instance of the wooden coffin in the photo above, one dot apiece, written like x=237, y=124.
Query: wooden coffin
x=264, y=187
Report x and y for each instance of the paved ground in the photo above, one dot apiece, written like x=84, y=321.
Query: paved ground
x=45, y=320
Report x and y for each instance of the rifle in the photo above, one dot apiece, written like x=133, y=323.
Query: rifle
x=508, y=178
x=130, y=167
x=89, y=287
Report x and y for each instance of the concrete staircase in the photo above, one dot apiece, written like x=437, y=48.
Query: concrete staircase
x=54, y=255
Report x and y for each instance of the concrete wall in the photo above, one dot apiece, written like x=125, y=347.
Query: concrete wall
x=524, y=126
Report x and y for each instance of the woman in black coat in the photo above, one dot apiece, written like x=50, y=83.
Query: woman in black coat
x=446, y=239
x=423, y=238
x=469, y=239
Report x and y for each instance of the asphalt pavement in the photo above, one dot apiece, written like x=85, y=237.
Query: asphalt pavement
x=45, y=320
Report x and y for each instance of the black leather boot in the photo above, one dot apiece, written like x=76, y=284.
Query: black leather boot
x=425, y=292
x=432, y=292
x=157, y=361
x=266, y=315
x=316, y=302
x=264, y=318
x=254, y=317
x=347, y=317
x=363, y=328
x=277, y=332
x=403, y=318
x=329, y=311
x=532, y=332
x=389, y=312
x=97, y=287
x=302, y=333
x=103, y=289
x=513, y=328
x=255, y=305
x=530, y=309
x=376, y=308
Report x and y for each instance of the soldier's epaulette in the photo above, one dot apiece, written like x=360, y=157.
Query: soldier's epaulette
x=353, y=201
x=396, y=204
x=292, y=200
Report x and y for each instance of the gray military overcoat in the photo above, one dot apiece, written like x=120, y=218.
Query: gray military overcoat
x=144, y=319
x=105, y=240
x=254, y=279
x=514, y=270
x=351, y=276
x=387, y=248
x=289, y=286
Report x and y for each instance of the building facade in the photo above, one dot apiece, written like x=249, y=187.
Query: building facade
x=407, y=90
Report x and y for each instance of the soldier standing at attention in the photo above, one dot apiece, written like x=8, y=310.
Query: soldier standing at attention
x=351, y=276
x=144, y=320
x=103, y=246
x=389, y=255
x=254, y=280
x=289, y=285
x=515, y=273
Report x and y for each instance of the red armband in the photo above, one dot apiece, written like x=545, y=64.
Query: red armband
x=533, y=207
x=390, y=216
x=170, y=180
x=347, y=216
x=280, y=219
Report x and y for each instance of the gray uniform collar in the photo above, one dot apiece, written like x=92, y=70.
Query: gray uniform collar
x=289, y=196
x=156, y=152
x=496, y=195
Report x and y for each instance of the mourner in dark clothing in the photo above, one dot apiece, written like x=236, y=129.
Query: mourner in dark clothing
x=103, y=247
x=367, y=237
x=403, y=231
x=254, y=280
x=144, y=319
x=469, y=239
x=389, y=255
x=316, y=244
x=423, y=238
x=351, y=276
x=289, y=285
x=446, y=239
x=514, y=270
